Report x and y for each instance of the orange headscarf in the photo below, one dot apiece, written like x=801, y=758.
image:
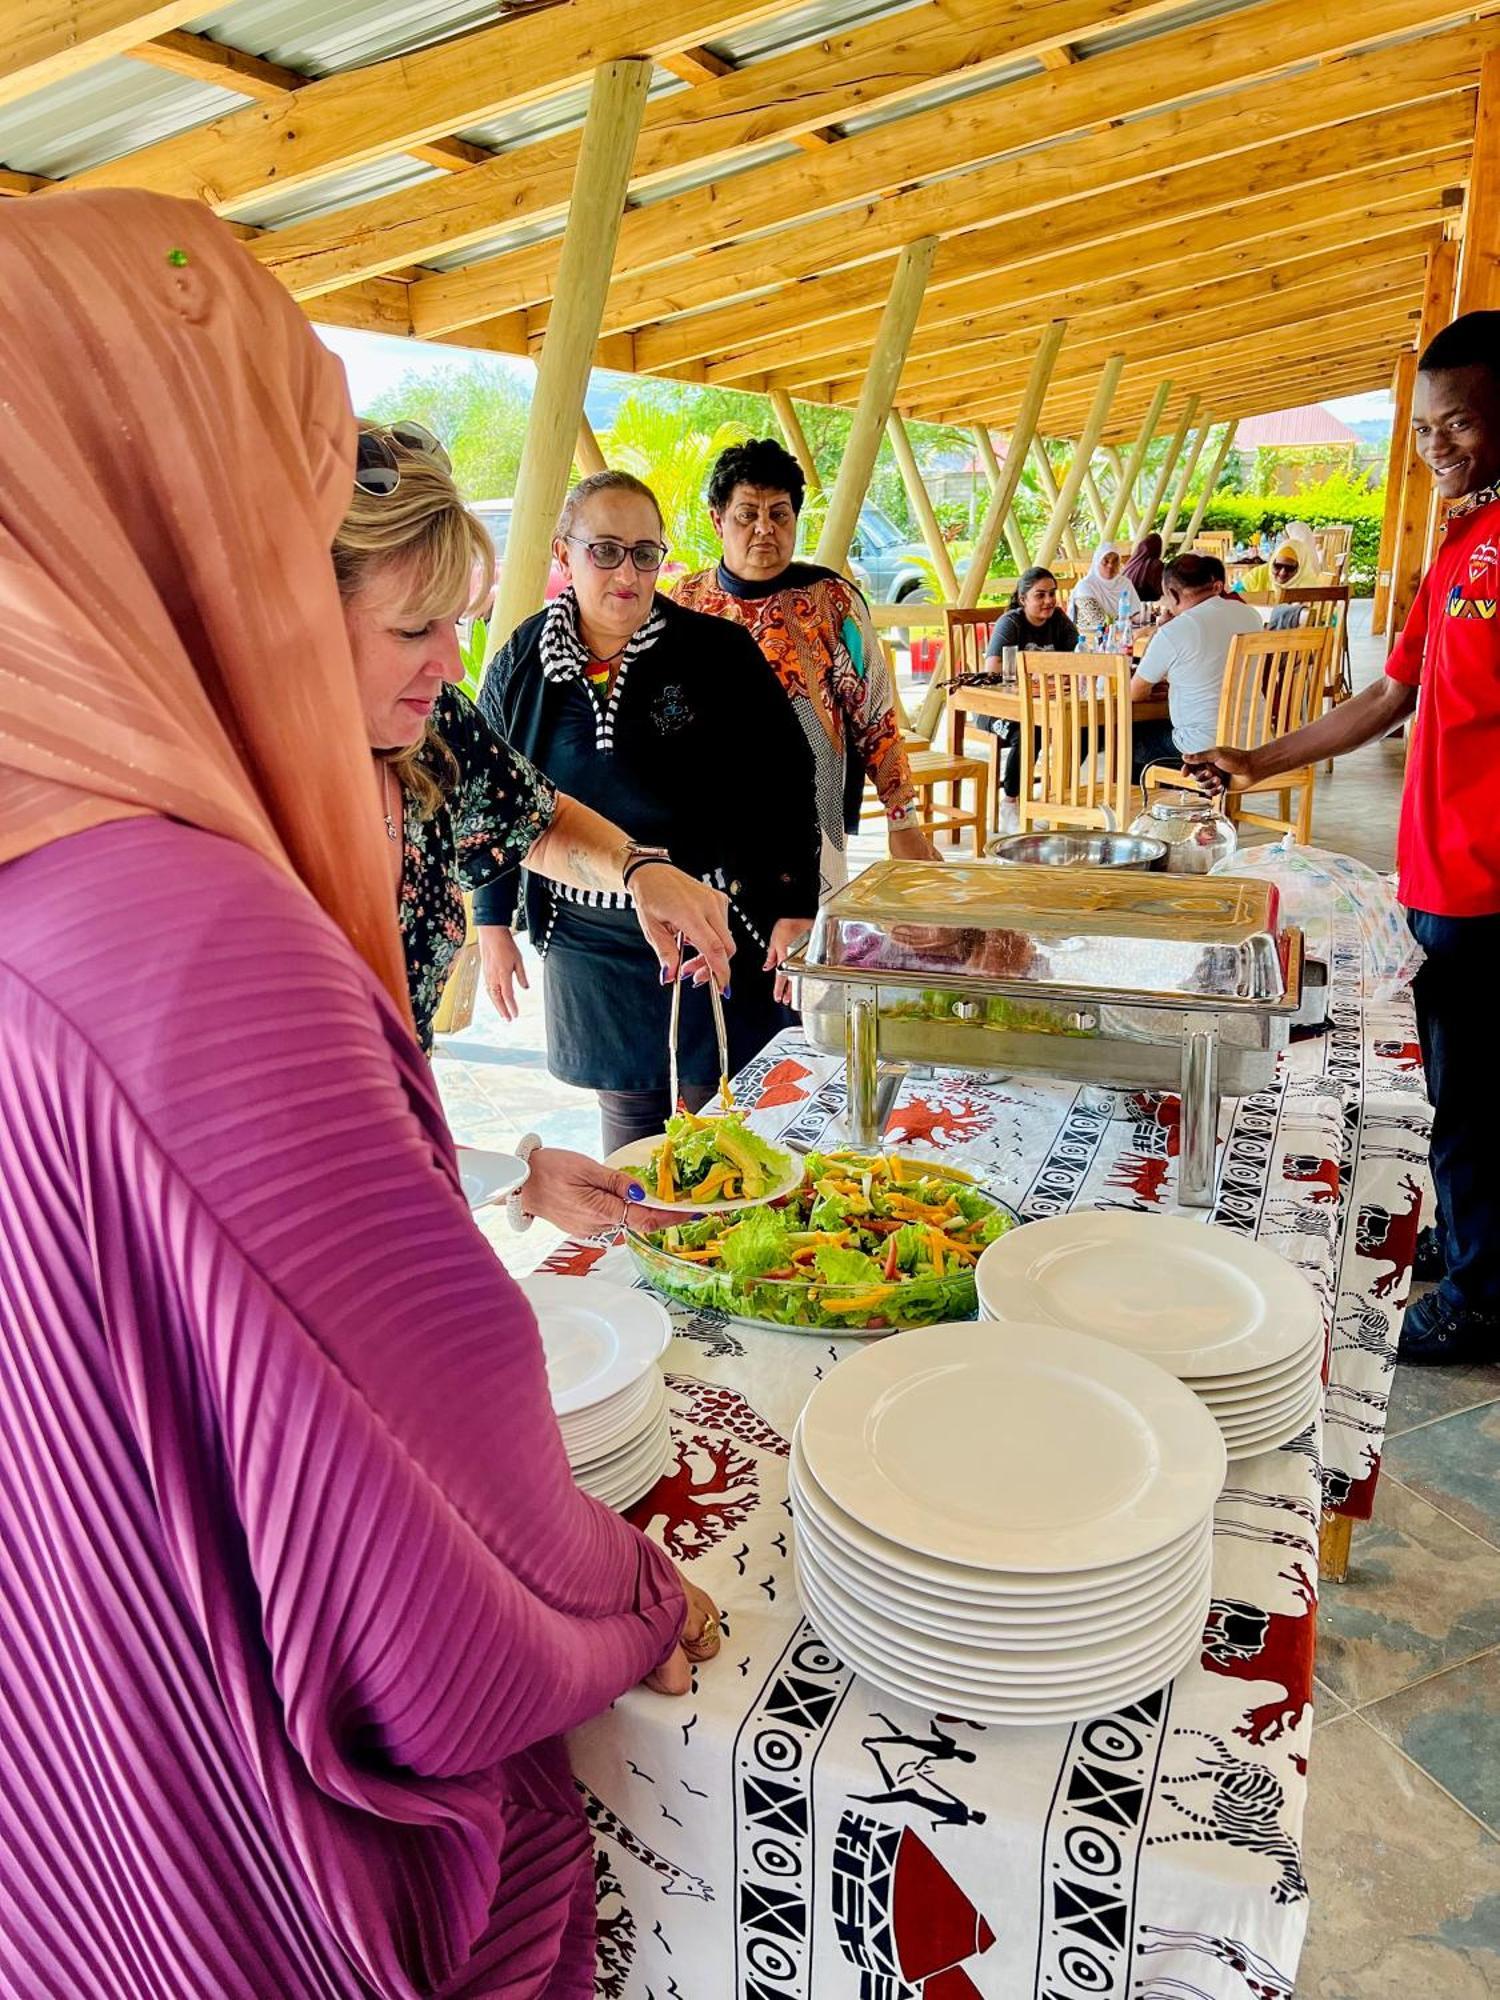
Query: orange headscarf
x=176, y=453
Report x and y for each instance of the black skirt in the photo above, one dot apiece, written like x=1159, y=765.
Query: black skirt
x=608, y=1014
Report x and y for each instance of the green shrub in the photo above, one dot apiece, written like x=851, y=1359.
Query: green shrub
x=1335, y=503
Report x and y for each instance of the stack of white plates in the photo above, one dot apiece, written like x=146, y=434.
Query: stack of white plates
x=1012, y=1525
x=604, y=1345
x=1240, y=1327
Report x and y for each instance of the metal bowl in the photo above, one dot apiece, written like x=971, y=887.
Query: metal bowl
x=1079, y=850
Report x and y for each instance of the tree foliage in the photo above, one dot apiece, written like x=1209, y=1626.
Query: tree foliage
x=480, y=414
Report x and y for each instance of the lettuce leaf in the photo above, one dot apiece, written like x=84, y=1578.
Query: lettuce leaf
x=758, y=1242
x=846, y=1267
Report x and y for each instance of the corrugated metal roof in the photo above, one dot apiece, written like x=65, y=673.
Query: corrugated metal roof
x=1310, y=424
x=278, y=210
x=808, y=23
x=1195, y=13
x=112, y=108
x=320, y=36
x=554, y=114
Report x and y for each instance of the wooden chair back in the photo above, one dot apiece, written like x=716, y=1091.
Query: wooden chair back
x=1078, y=704
x=1323, y=603
x=1273, y=684
x=1332, y=545
x=1214, y=542
x=967, y=634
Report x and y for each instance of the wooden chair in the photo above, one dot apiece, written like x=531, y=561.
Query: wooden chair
x=931, y=768
x=1332, y=545
x=1078, y=705
x=1327, y=605
x=966, y=638
x=1274, y=683
x=1214, y=542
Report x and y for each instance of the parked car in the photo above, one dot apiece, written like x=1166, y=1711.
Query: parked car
x=495, y=515
x=887, y=567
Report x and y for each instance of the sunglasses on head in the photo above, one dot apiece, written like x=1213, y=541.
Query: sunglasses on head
x=377, y=465
x=647, y=556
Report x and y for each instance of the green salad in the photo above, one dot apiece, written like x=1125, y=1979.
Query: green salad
x=713, y=1159
x=865, y=1243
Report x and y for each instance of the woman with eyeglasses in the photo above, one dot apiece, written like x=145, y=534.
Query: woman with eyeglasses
x=671, y=724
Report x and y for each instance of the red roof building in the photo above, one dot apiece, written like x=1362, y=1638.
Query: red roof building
x=1311, y=424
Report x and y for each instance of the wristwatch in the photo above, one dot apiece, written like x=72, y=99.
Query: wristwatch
x=637, y=856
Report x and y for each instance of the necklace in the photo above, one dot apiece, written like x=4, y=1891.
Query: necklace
x=392, y=826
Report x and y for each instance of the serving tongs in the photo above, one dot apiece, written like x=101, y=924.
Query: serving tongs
x=674, y=1023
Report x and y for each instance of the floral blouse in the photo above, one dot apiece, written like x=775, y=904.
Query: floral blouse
x=491, y=816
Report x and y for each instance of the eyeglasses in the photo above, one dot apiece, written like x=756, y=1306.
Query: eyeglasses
x=647, y=556
x=377, y=467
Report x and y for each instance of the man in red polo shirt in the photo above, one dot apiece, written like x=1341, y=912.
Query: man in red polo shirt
x=1449, y=845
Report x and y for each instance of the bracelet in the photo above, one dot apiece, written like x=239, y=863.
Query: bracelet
x=642, y=861
x=515, y=1214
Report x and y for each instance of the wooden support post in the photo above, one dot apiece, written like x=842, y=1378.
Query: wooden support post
x=1479, y=283
x=921, y=506
x=586, y=453
x=1093, y=425
x=1125, y=491
x=1335, y=1534
x=1022, y=432
x=796, y=438
x=605, y=154
x=1410, y=548
x=1047, y=480
x=1168, y=467
x=876, y=396
x=1403, y=381
x=1095, y=501
x=1015, y=540
x=1179, y=492
x=1211, y=482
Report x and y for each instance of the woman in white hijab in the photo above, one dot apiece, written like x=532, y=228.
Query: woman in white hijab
x=1104, y=591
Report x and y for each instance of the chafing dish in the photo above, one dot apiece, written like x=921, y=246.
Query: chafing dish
x=1129, y=980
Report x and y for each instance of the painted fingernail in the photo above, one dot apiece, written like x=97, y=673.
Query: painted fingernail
x=666, y=975
x=635, y=1192
x=726, y=993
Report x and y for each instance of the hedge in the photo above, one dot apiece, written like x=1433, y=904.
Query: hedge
x=1245, y=513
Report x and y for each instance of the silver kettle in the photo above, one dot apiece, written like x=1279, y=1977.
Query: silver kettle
x=1197, y=835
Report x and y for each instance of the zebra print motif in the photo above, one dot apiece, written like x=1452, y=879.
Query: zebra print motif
x=1244, y=1810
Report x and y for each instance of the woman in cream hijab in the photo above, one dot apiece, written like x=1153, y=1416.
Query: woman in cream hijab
x=298, y=1596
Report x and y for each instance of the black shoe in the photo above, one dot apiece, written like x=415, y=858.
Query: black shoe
x=1430, y=1265
x=1435, y=1330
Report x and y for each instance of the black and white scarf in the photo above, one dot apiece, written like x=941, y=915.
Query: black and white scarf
x=565, y=657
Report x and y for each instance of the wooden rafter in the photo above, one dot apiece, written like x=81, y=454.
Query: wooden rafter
x=352, y=118
x=870, y=171
x=46, y=41
x=1421, y=152
x=728, y=112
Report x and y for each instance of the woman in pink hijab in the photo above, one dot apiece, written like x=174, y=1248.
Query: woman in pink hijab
x=296, y=1593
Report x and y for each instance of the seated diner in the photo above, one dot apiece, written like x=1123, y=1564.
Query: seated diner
x=1188, y=653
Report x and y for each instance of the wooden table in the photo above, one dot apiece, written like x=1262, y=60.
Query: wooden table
x=1006, y=704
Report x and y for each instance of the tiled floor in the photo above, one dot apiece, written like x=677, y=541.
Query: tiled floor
x=1402, y=1840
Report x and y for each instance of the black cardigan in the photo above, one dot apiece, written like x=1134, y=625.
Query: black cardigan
x=705, y=729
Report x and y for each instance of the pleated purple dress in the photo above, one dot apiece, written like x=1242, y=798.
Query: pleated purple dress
x=296, y=1593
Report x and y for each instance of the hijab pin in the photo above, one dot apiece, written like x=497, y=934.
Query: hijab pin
x=177, y=258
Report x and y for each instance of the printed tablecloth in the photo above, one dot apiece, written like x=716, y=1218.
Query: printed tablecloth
x=785, y=1832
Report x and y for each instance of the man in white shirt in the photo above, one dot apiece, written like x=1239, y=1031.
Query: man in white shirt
x=1189, y=653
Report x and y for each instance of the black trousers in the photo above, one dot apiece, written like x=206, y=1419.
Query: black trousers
x=628, y=1115
x=1455, y=998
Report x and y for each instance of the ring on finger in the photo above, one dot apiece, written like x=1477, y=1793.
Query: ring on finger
x=709, y=1633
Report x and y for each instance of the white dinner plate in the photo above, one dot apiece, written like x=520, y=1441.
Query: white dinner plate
x=486, y=1177
x=626, y=1488
x=1214, y=1385
x=1259, y=1394
x=1044, y=1623
x=638, y=1153
x=1010, y=1709
x=1086, y=1660
x=598, y=1337
x=1249, y=1444
x=1269, y=1413
x=1196, y=1299
x=1045, y=1452
x=962, y=1582
x=591, y=1430
x=649, y=1423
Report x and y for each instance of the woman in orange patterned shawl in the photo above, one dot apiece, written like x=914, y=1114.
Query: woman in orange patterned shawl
x=814, y=627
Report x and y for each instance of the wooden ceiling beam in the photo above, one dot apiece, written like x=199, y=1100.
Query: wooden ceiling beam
x=1202, y=370
x=46, y=41
x=1419, y=150
x=347, y=120
x=202, y=60
x=1178, y=349
x=705, y=224
x=727, y=112
x=1094, y=315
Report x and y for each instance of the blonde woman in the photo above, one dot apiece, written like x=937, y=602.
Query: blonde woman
x=461, y=808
